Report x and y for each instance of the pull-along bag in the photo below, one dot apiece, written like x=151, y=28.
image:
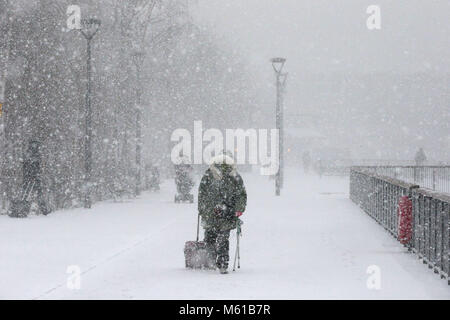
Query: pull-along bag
x=196, y=253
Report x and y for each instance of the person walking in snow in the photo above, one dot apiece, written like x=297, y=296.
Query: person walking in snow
x=184, y=181
x=306, y=161
x=222, y=199
x=152, y=179
x=32, y=183
x=420, y=157
x=420, y=160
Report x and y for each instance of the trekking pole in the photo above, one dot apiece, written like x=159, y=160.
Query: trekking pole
x=237, y=254
x=238, y=249
x=30, y=191
x=198, y=225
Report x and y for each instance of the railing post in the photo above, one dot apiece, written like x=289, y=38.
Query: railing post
x=434, y=179
x=432, y=233
x=439, y=236
x=447, y=242
x=413, y=196
x=415, y=174
x=427, y=228
x=422, y=225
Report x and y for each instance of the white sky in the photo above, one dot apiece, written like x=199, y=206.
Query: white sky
x=331, y=36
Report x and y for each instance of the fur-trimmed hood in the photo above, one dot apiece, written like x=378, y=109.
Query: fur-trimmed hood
x=221, y=159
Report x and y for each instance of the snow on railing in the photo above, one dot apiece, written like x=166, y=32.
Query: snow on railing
x=436, y=178
x=379, y=197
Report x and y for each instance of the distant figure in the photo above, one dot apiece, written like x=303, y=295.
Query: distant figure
x=184, y=182
x=420, y=158
x=306, y=161
x=152, y=178
x=32, y=183
x=319, y=168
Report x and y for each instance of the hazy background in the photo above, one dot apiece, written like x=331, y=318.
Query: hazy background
x=352, y=93
x=379, y=94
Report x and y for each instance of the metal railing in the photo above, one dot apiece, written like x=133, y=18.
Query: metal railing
x=379, y=196
x=436, y=178
x=341, y=167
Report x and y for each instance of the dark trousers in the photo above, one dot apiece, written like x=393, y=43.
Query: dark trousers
x=218, y=244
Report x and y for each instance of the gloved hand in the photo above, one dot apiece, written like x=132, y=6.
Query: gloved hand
x=238, y=214
x=219, y=209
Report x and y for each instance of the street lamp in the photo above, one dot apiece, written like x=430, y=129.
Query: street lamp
x=89, y=27
x=138, y=60
x=278, y=64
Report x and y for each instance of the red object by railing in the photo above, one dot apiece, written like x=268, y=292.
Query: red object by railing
x=404, y=220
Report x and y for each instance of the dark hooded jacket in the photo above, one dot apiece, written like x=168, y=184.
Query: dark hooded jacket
x=221, y=195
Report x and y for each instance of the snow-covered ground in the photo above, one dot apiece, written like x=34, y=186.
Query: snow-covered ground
x=310, y=243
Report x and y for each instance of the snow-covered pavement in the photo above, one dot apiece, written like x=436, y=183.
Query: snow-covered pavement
x=310, y=243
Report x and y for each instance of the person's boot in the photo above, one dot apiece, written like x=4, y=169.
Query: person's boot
x=223, y=268
x=223, y=271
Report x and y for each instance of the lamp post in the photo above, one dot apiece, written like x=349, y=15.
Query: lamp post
x=278, y=64
x=6, y=15
x=138, y=59
x=283, y=79
x=89, y=27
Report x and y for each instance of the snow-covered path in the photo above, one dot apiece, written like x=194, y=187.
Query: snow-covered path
x=310, y=243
